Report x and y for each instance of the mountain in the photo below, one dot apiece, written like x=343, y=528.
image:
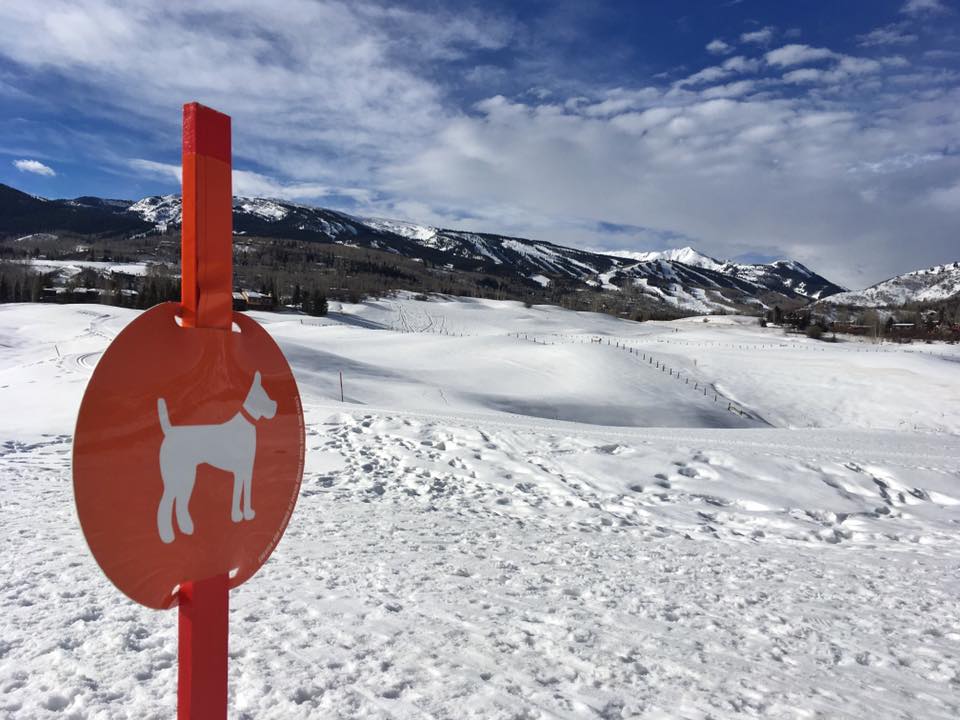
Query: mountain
x=932, y=285
x=23, y=213
x=686, y=255
x=681, y=280
x=787, y=277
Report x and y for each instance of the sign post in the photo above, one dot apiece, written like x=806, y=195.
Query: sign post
x=189, y=447
x=207, y=302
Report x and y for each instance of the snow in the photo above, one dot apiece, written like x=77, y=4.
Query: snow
x=36, y=237
x=480, y=246
x=162, y=210
x=686, y=255
x=272, y=210
x=507, y=519
x=693, y=300
x=69, y=268
x=758, y=274
x=934, y=284
x=422, y=233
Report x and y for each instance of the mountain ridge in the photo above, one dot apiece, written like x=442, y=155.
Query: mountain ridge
x=789, y=278
x=939, y=283
x=681, y=279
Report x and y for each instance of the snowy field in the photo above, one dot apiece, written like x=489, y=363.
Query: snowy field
x=529, y=513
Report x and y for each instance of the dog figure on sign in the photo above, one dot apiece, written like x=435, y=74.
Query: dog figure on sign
x=229, y=446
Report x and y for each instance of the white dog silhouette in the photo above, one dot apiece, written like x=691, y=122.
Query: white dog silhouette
x=230, y=446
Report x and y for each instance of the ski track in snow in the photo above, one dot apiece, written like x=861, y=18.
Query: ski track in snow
x=447, y=562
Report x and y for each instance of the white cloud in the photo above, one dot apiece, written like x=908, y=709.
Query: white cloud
x=923, y=7
x=857, y=66
x=731, y=66
x=740, y=64
x=889, y=35
x=734, y=89
x=323, y=97
x=897, y=61
x=640, y=122
x=34, y=166
x=616, y=101
x=897, y=163
x=846, y=67
x=249, y=183
x=719, y=47
x=804, y=75
x=163, y=171
x=941, y=54
x=707, y=75
x=760, y=37
x=795, y=54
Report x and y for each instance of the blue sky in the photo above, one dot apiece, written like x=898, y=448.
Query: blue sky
x=828, y=132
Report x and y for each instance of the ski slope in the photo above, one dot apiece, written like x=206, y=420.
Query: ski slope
x=516, y=513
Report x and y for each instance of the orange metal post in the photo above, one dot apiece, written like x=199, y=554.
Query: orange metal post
x=207, y=229
x=207, y=302
x=204, y=630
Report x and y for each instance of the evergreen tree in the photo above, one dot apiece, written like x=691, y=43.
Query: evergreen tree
x=317, y=304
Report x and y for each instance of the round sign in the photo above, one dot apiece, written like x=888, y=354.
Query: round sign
x=188, y=454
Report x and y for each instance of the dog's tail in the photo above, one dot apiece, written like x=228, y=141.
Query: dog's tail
x=164, y=416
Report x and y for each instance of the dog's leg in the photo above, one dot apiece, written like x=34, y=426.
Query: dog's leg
x=165, y=515
x=183, y=506
x=235, y=513
x=248, y=513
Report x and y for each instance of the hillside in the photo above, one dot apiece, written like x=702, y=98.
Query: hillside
x=929, y=286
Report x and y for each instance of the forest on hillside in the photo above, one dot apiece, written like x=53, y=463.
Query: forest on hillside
x=297, y=273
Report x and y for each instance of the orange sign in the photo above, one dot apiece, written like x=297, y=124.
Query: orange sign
x=188, y=454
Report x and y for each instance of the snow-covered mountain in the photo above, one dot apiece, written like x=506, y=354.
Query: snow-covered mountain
x=686, y=255
x=787, y=277
x=681, y=279
x=935, y=284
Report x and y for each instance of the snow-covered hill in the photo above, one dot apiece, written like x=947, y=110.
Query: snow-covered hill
x=528, y=512
x=931, y=285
